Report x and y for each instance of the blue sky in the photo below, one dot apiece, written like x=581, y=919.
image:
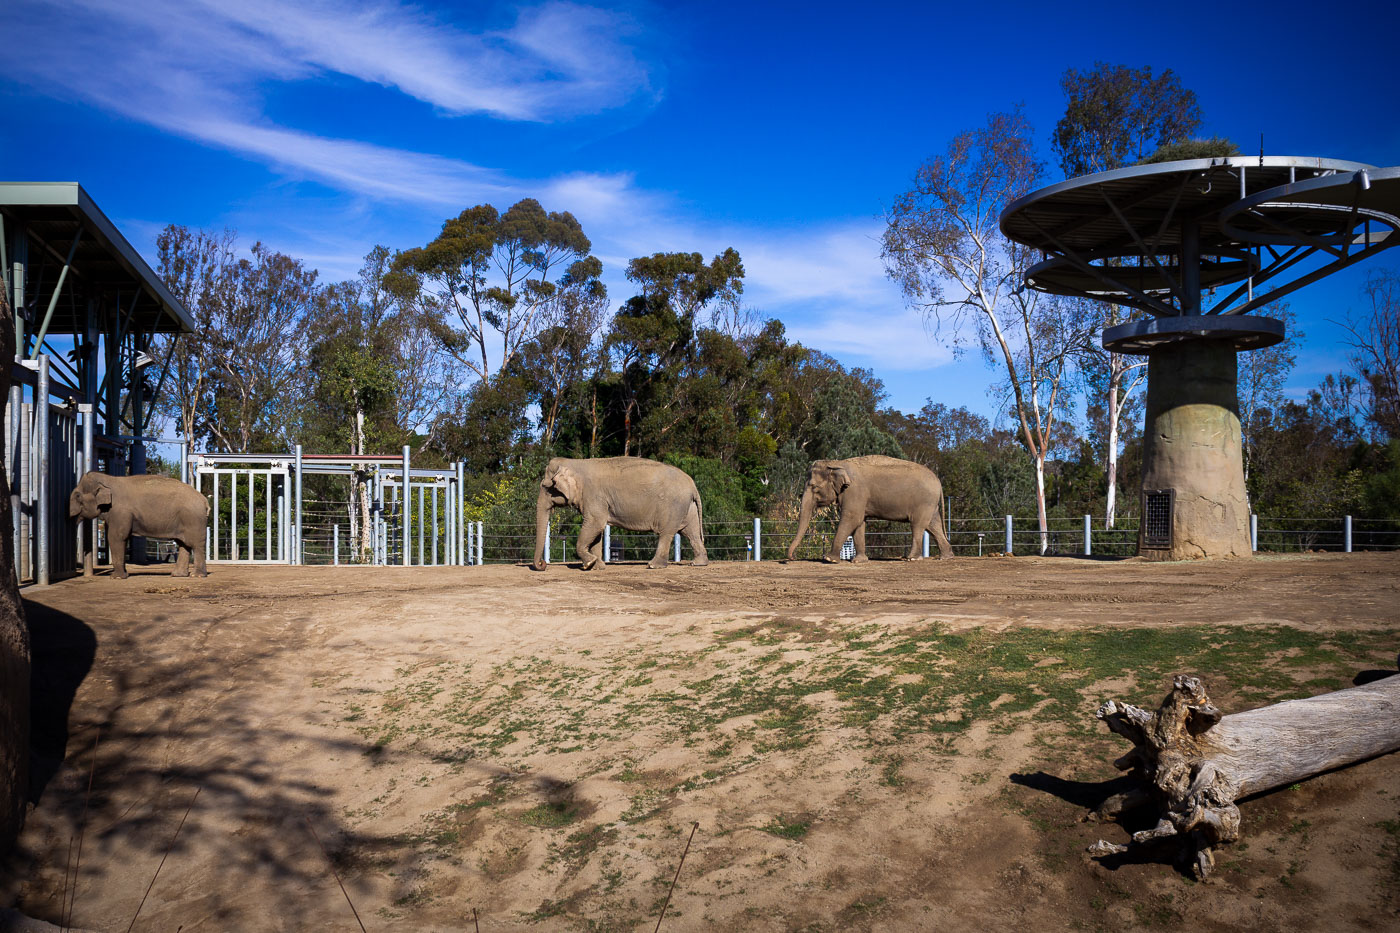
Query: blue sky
x=323, y=128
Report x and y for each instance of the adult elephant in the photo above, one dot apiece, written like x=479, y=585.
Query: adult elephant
x=873, y=487
x=629, y=492
x=153, y=506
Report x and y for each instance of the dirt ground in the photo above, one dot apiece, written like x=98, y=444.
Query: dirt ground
x=892, y=746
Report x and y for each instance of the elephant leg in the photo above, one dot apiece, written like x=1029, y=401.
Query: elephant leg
x=662, y=557
x=588, y=537
x=197, y=556
x=859, y=557
x=596, y=549
x=917, y=526
x=182, y=560
x=935, y=528
x=117, y=534
x=846, y=526
x=696, y=536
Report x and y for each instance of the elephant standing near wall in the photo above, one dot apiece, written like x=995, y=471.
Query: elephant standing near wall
x=151, y=506
x=628, y=492
x=873, y=487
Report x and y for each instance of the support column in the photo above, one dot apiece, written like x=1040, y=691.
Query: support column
x=296, y=537
x=41, y=469
x=1194, y=501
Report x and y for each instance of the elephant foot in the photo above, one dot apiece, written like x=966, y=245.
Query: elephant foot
x=590, y=563
x=653, y=565
x=860, y=559
x=538, y=565
x=120, y=576
x=176, y=573
x=201, y=573
x=828, y=559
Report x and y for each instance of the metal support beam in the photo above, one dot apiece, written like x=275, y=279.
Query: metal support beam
x=57, y=290
x=296, y=538
x=405, y=511
x=41, y=465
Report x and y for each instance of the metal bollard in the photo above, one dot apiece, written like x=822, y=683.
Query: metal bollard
x=757, y=539
x=335, y=545
x=546, y=543
x=678, y=548
x=1088, y=531
x=607, y=543
x=480, y=548
x=1346, y=527
x=926, y=544
x=1008, y=535
x=1253, y=532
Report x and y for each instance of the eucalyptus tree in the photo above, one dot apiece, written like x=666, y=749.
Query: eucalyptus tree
x=1117, y=116
x=1374, y=337
x=489, y=277
x=943, y=247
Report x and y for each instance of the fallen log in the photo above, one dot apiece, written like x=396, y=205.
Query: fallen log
x=1195, y=763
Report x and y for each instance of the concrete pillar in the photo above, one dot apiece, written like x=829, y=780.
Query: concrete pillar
x=1194, y=502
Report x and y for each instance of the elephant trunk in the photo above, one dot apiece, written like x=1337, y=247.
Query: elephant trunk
x=543, y=506
x=804, y=518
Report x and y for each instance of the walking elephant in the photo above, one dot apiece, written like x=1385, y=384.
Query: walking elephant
x=873, y=487
x=629, y=492
x=153, y=506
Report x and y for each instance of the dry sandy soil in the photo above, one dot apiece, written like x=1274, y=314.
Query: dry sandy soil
x=893, y=746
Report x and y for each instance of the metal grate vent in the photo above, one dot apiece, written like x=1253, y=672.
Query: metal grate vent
x=1157, y=517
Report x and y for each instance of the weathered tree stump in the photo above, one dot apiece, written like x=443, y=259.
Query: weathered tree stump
x=1195, y=763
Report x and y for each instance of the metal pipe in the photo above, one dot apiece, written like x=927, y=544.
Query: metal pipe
x=480, y=547
x=296, y=538
x=678, y=547
x=26, y=479
x=1088, y=541
x=233, y=515
x=607, y=543
x=547, y=530
x=1008, y=534
x=213, y=552
x=282, y=521
x=57, y=289
x=435, y=525
x=926, y=544
x=335, y=545
x=405, y=513
x=267, y=514
x=41, y=486
x=87, y=530
x=1253, y=532
x=252, y=504
x=757, y=540
x=468, y=554
x=14, y=421
x=463, y=535
x=421, y=524
x=1347, y=533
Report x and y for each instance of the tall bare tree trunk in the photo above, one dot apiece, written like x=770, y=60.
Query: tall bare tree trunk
x=14, y=643
x=1040, y=500
x=1115, y=383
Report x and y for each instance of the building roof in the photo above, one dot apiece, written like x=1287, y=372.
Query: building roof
x=53, y=213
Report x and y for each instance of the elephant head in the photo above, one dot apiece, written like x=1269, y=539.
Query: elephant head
x=561, y=485
x=90, y=497
x=827, y=480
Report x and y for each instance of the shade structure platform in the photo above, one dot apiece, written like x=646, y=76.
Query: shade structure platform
x=1193, y=247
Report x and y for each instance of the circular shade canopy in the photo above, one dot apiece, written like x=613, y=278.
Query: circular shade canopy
x=1244, y=332
x=1205, y=235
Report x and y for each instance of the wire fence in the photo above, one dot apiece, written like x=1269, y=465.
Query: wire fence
x=328, y=537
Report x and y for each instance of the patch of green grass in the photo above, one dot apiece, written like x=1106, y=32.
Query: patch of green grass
x=550, y=815
x=787, y=827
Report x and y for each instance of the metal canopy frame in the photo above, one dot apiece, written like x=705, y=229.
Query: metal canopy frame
x=1153, y=237
x=76, y=282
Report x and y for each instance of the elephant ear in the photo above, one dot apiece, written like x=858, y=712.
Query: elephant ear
x=840, y=478
x=567, y=483
x=104, y=495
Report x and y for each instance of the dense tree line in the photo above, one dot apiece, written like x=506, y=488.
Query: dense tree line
x=496, y=343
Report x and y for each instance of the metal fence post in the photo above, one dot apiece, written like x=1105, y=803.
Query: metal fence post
x=607, y=543
x=88, y=530
x=678, y=547
x=757, y=540
x=463, y=533
x=1253, y=532
x=1088, y=532
x=335, y=545
x=926, y=544
x=296, y=533
x=467, y=555
x=1346, y=526
x=406, y=512
x=546, y=543
x=41, y=485
x=480, y=547
x=1008, y=535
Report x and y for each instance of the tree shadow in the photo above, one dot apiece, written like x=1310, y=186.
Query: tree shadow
x=62, y=650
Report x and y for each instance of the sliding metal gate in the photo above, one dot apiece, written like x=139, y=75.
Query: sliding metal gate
x=249, y=511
